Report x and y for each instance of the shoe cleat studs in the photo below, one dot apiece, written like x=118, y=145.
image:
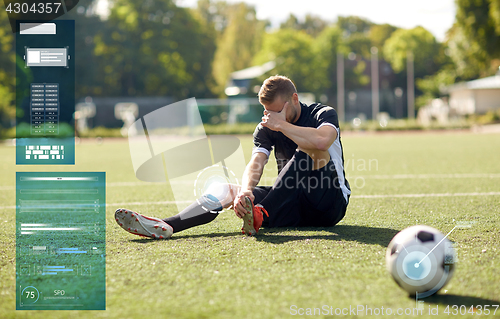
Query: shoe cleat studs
x=156, y=226
x=121, y=224
x=153, y=235
x=137, y=219
x=132, y=215
x=161, y=237
x=116, y=219
x=136, y=230
x=164, y=228
x=129, y=228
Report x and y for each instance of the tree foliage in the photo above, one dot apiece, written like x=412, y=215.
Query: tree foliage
x=326, y=46
x=480, y=22
x=432, y=86
x=295, y=57
x=379, y=33
x=426, y=50
x=238, y=43
x=312, y=25
x=7, y=71
x=353, y=24
x=154, y=48
x=469, y=59
x=474, y=39
x=89, y=80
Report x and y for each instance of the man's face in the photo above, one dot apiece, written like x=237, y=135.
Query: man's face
x=278, y=104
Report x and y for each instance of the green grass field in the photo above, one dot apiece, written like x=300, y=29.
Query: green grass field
x=398, y=180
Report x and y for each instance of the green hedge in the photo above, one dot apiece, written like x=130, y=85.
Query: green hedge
x=248, y=128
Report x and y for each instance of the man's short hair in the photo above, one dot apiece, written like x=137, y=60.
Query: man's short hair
x=276, y=85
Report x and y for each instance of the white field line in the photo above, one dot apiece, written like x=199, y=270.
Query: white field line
x=425, y=176
x=400, y=176
x=121, y=184
x=122, y=204
x=427, y=195
x=172, y=202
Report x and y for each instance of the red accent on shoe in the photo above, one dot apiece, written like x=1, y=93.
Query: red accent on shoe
x=258, y=216
x=161, y=237
x=132, y=215
x=156, y=226
x=129, y=228
x=164, y=228
x=153, y=235
x=136, y=230
x=153, y=219
x=139, y=234
x=121, y=224
x=126, y=212
x=116, y=219
x=137, y=219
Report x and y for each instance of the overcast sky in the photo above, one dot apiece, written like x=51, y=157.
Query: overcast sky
x=437, y=16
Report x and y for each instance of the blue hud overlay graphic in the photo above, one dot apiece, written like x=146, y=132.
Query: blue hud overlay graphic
x=45, y=93
x=60, y=241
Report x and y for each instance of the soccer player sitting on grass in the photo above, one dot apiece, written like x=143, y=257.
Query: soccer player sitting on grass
x=311, y=188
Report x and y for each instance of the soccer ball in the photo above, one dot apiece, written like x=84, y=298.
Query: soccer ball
x=421, y=260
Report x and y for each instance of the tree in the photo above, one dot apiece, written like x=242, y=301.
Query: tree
x=7, y=71
x=474, y=39
x=353, y=24
x=154, y=48
x=431, y=86
x=215, y=14
x=89, y=81
x=326, y=46
x=238, y=43
x=312, y=25
x=469, y=59
x=379, y=33
x=480, y=22
x=427, y=52
x=358, y=43
x=295, y=57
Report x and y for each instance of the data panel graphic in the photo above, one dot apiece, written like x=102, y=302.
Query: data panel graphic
x=44, y=107
x=45, y=93
x=60, y=241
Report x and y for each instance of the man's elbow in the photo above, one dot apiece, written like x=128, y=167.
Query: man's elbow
x=323, y=144
x=325, y=138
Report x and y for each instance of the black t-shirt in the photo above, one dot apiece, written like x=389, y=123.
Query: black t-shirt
x=314, y=115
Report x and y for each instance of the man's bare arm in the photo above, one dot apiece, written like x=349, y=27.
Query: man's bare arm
x=251, y=177
x=309, y=138
x=306, y=138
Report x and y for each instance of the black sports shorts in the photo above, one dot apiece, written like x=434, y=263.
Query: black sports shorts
x=321, y=206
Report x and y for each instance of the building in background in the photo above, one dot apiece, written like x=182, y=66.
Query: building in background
x=240, y=81
x=477, y=96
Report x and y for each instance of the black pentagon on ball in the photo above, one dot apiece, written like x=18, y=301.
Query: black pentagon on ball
x=394, y=249
x=425, y=236
x=447, y=267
